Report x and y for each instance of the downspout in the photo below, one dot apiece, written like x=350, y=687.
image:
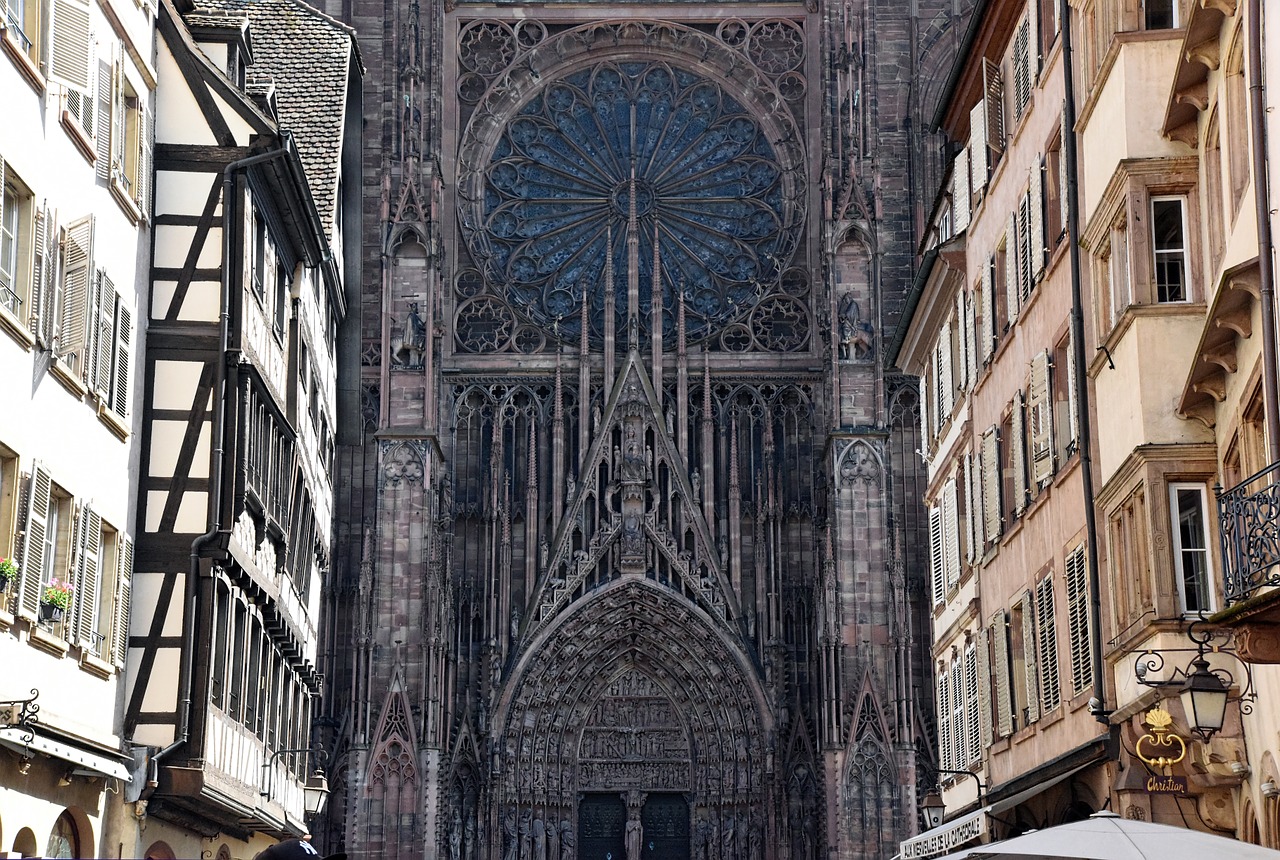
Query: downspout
x=1097, y=702
x=1262, y=206
x=216, y=456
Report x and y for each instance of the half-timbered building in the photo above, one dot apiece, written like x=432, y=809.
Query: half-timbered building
x=256, y=125
x=76, y=91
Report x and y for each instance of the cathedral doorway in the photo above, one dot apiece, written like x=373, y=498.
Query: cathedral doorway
x=665, y=819
x=602, y=822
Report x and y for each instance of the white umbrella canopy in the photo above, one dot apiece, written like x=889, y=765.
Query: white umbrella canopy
x=1107, y=836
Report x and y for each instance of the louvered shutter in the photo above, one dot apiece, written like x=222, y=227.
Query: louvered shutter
x=1000, y=652
x=944, y=717
x=946, y=378
x=960, y=198
x=70, y=44
x=77, y=282
x=951, y=533
x=959, y=735
x=1030, y=661
x=1050, y=684
x=1078, y=621
x=924, y=416
x=972, y=716
x=936, y=559
x=962, y=339
x=121, y=369
x=993, y=105
x=979, y=159
x=104, y=337
x=1025, y=253
x=1033, y=28
x=88, y=586
x=1011, y=251
x=1073, y=416
x=991, y=525
x=1035, y=234
x=970, y=327
x=39, y=497
x=972, y=539
x=42, y=264
x=75, y=554
x=105, y=102
x=120, y=623
x=146, y=146
x=1018, y=454
x=986, y=325
x=1063, y=205
x=1022, y=67
x=1040, y=420
x=984, y=690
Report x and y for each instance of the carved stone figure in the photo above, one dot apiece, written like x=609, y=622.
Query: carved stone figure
x=539, y=840
x=634, y=835
x=526, y=835
x=856, y=334
x=455, y=835
x=410, y=349
x=568, y=840
x=511, y=849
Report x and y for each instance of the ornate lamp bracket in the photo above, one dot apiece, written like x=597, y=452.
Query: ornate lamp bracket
x=21, y=714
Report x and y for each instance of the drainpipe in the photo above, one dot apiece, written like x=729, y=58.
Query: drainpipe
x=216, y=457
x=1097, y=702
x=1262, y=205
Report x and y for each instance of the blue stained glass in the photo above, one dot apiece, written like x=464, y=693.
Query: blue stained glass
x=559, y=186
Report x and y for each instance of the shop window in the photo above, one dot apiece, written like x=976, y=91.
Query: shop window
x=64, y=839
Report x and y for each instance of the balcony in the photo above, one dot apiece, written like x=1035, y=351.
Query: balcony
x=1249, y=528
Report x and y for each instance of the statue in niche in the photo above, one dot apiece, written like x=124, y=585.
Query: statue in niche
x=410, y=348
x=515, y=624
x=455, y=836
x=635, y=835
x=446, y=496
x=512, y=850
x=696, y=480
x=469, y=830
x=568, y=840
x=855, y=332
x=526, y=835
x=553, y=840
x=539, y=840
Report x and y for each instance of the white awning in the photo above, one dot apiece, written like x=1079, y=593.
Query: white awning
x=26, y=742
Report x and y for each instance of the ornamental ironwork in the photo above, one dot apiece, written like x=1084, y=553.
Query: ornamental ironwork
x=1249, y=527
x=692, y=162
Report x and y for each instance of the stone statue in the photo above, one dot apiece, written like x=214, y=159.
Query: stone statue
x=635, y=835
x=512, y=848
x=515, y=624
x=696, y=480
x=469, y=830
x=526, y=835
x=446, y=496
x=553, y=841
x=855, y=332
x=409, y=349
x=455, y=836
x=727, y=834
x=568, y=840
x=539, y=840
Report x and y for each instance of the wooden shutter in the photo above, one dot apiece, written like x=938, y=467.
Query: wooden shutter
x=1033, y=30
x=1022, y=67
x=960, y=198
x=1047, y=627
x=1063, y=206
x=77, y=284
x=43, y=265
x=1041, y=419
x=962, y=340
x=987, y=329
x=120, y=623
x=70, y=45
x=1073, y=406
x=1030, y=661
x=993, y=105
x=959, y=737
x=979, y=159
x=1000, y=653
x=105, y=103
x=946, y=376
x=88, y=577
x=950, y=533
x=121, y=368
x=39, y=497
x=944, y=717
x=1036, y=243
x=1078, y=621
x=970, y=327
x=1018, y=453
x=104, y=337
x=991, y=525
x=146, y=146
x=972, y=518
x=924, y=415
x=1025, y=263
x=973, y=718
x=984, y=689
x=936, y=563
x=1011, y=250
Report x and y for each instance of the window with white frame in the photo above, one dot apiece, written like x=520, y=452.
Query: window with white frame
x=1160, y=14
x=1188, y=506
x=17, y=216
x=1169, y=244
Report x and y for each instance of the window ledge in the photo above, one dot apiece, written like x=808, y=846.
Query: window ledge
x=67, y=378
x=20, y=59
x=6, y=618
x=113, y=421
x=78, y=137
x=124, y=201
x=96, y=666
x=46, y=641
x=13, y=327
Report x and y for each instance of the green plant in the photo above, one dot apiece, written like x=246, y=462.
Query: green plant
x=8, y=568
x=57, y=593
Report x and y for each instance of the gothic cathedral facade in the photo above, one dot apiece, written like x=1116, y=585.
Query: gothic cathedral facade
x=630, y=558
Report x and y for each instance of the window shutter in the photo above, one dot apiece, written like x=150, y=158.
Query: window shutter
x=973, y=718
x=984, y=690
x=1033, y=34
x=1022, y=67
x=124, y=336
x=991, y=485
x=104, y=337
x=1041, y=420
x=936, y=562
x=43, y=263
x=146, y=146
x=979, y=160
x=987, y=329
x=124, y=577
x=1078, y=621
x=924, y=415
x=960, y=202
x=959, y=735
x=974, y=537
x=993, y=105
x=75, y=555
x=1050, y=684
x=950, y=533
x=962, y=339
x=944, y=717
x=970, y=327
x=1062, y=169
x=1000, y=651
x=946, y=378
x=1030, y=661
x=1036, y=239
x=1073, y=419
x=1012, y=248
x=1025, y=252
x=77, y=282
x=69, y=60
x=39, y=490
x=105, y=100
x=87, y=587
x=1018, y=454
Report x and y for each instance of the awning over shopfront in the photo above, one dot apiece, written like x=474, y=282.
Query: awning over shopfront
x=27, y=743
x=974, y=825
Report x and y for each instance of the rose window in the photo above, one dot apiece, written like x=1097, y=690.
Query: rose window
x=693, y=164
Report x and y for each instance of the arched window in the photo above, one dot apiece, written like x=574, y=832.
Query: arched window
x=64, y=839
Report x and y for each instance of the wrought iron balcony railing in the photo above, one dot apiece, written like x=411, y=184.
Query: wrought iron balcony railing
x=1249, y=528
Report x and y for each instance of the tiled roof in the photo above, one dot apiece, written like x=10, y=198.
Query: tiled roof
x=309, y=55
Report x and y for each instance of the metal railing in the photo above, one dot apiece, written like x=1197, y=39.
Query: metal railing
x=12, y=301
x=1249, y=529
x=14, y=25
